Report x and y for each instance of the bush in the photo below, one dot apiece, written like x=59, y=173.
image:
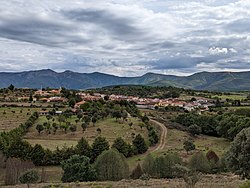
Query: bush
x=29, y=177
x=137, y=172
x=111, y=165
x=199, y=162
x=148, y=164
x=188, y=145
x=194, y=130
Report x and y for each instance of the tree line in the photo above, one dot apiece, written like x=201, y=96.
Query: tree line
x=226, y=125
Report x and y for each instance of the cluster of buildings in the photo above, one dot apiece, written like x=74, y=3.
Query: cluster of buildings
x=201, y=104
x=49, y=96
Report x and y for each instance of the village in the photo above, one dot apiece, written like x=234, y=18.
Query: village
x=198, y=104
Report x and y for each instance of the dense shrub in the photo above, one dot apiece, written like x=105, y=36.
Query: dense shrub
x=78, y=168
x=111, y=165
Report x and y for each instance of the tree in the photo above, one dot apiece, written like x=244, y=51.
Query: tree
x=148, y=165
x=237, y=157
x=191, y=178
x=84, y=126
x=164, y=166
x=39, y=128
x=78, y=168
x=99, y=145
x=212, y=156
x=194, y=130
x=145, y=119
x=79, y=116
x=124, y=115
x=37, y=155
x=73, y=128
x=11, y=87
x=99, y=131
x=117, y=114
x=189, y=145
x=140, y=144
x=137, y=172
x=72, y=102
x=30, y=98
x=141, y=125
x=111, y=165
x=130, y=124
x=199, y=162
x=61, y=119
x=83, y=148
x=121, y=146
x=29, y=177
x=55, y=127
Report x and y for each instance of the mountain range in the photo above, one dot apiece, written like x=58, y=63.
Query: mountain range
x=214, y=81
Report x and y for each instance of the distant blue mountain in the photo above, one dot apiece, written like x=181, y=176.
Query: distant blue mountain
x=221, y=81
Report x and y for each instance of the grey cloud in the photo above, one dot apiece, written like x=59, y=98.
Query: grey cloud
x=118, y=26
x=38, y=31
x=239, y=26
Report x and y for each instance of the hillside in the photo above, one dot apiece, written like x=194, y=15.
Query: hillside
x=222, y=81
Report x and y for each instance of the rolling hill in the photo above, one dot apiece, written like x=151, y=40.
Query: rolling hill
x=221, y=81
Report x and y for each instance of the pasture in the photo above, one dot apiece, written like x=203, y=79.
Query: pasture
x=110, y=129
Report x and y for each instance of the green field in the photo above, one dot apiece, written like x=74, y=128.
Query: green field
x=233, y=96
x=110, y=129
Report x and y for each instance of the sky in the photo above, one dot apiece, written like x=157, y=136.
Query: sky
x=125, y=37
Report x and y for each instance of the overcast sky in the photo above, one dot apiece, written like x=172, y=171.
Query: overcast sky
x=125, y=37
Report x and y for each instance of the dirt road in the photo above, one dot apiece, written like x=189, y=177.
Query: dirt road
x=163, y=137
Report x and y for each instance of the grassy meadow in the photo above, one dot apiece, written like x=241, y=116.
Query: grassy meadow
x=110, y=129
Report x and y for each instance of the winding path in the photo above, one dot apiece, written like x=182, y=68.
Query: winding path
x=163, y=137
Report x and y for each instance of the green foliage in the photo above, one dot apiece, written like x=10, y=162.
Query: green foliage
x=83, y=148
x=189, y=145
x=148, y=165
x=37, y=155
x=227, y=125
x=111, y=165
x=99, y=145
x=199, y=162
x=11, y=87
x=78, y=168
x=19, y=149
x=137, y=172
x=29, y=177
x=72, y=102
x=39, y=128
x=139, y=144
x=123, y=147
x=164, y=166
x=246, y=184
x=237, y=157
x=194, y=130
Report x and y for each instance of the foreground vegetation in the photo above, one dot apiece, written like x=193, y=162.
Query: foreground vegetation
x=109, y=141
